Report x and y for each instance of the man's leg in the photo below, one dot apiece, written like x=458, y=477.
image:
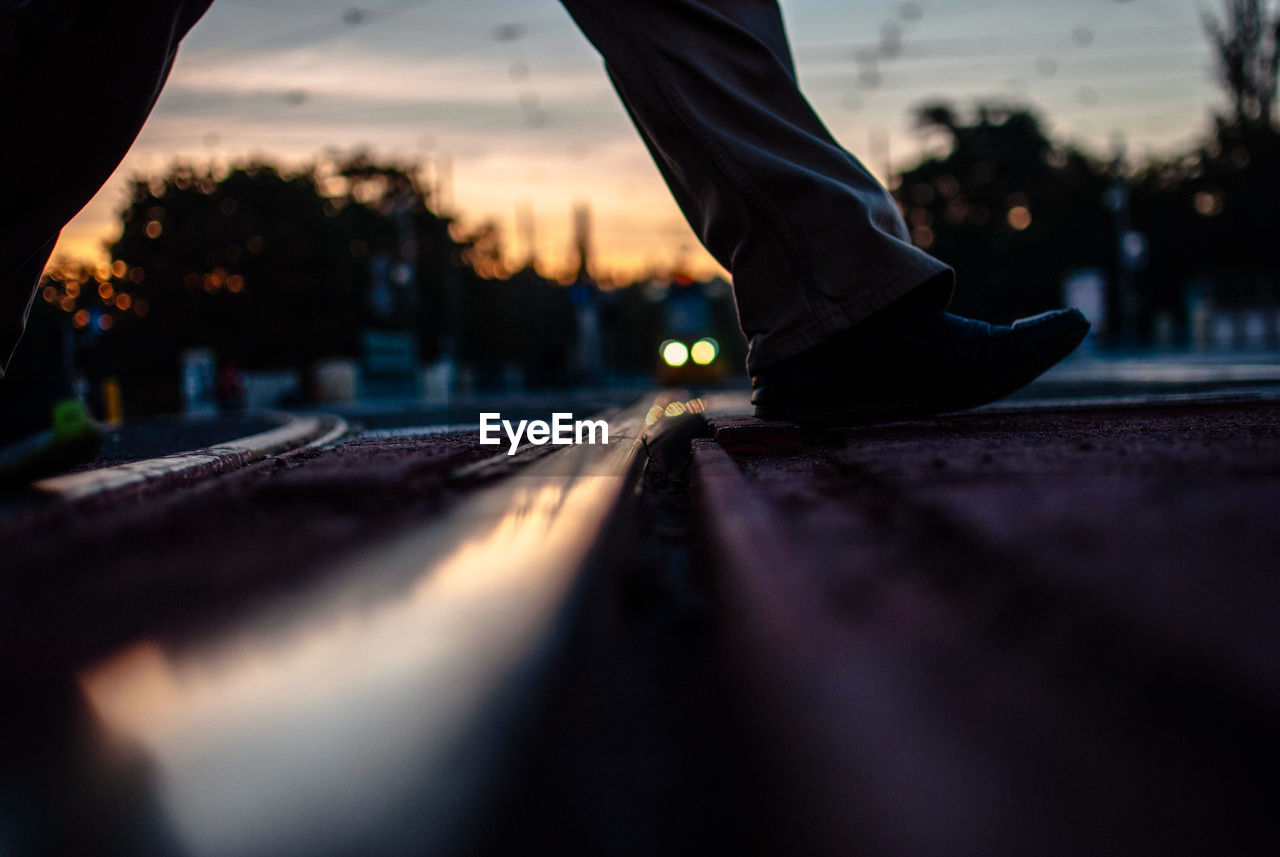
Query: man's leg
x=79, y=80
x=819, y=253
x=815, y=244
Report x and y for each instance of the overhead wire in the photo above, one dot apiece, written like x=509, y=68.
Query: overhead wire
x=354, y=16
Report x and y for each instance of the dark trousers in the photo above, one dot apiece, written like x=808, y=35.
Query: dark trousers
x=78, y=79
x=813, y=242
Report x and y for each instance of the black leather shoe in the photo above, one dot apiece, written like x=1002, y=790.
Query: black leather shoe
x=911, y=361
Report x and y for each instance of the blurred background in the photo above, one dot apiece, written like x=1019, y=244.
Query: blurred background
x=420, y=199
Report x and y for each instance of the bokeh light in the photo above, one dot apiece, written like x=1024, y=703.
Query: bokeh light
x=704, y=351
x=675, y=353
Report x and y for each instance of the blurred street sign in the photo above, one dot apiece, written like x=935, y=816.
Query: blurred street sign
x=199, y=367
x=1086, y=290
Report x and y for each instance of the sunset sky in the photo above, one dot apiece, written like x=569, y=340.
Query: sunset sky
x=509, y=94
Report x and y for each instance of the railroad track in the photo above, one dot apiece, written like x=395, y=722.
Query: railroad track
x=712, y=635
x=376, y=709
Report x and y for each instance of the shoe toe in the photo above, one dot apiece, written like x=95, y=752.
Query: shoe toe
x=1063, y=319
x=1043, y=340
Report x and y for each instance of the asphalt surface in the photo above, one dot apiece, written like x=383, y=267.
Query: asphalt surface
x=159, y=436
x=1068, y=614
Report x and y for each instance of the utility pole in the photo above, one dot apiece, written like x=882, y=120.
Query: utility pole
x=582, y=241
x=586, y=300
x=1131, y=246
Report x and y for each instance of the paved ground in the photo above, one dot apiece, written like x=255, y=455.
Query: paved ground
x=1066, y=621
x=157, y=436
x=1163, y=515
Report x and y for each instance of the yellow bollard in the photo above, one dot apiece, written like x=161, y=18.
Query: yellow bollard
x=112, y=401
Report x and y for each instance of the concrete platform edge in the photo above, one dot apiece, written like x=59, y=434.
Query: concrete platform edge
x=292, y=435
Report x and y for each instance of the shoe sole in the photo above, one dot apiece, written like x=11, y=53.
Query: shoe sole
x=897, y=410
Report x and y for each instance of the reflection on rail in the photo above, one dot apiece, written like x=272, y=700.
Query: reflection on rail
x=373, y=714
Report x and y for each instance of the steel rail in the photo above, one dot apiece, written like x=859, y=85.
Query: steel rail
x=379, y=712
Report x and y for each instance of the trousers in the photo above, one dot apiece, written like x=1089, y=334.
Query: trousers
x=813, y=242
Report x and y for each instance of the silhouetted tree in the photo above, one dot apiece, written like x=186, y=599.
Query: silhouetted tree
x=258, y=266
x=1212, y=215
x=1009, y=209
x=1247, y=48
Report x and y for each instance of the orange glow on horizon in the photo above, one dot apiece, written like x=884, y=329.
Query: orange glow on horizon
x=611, y=269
